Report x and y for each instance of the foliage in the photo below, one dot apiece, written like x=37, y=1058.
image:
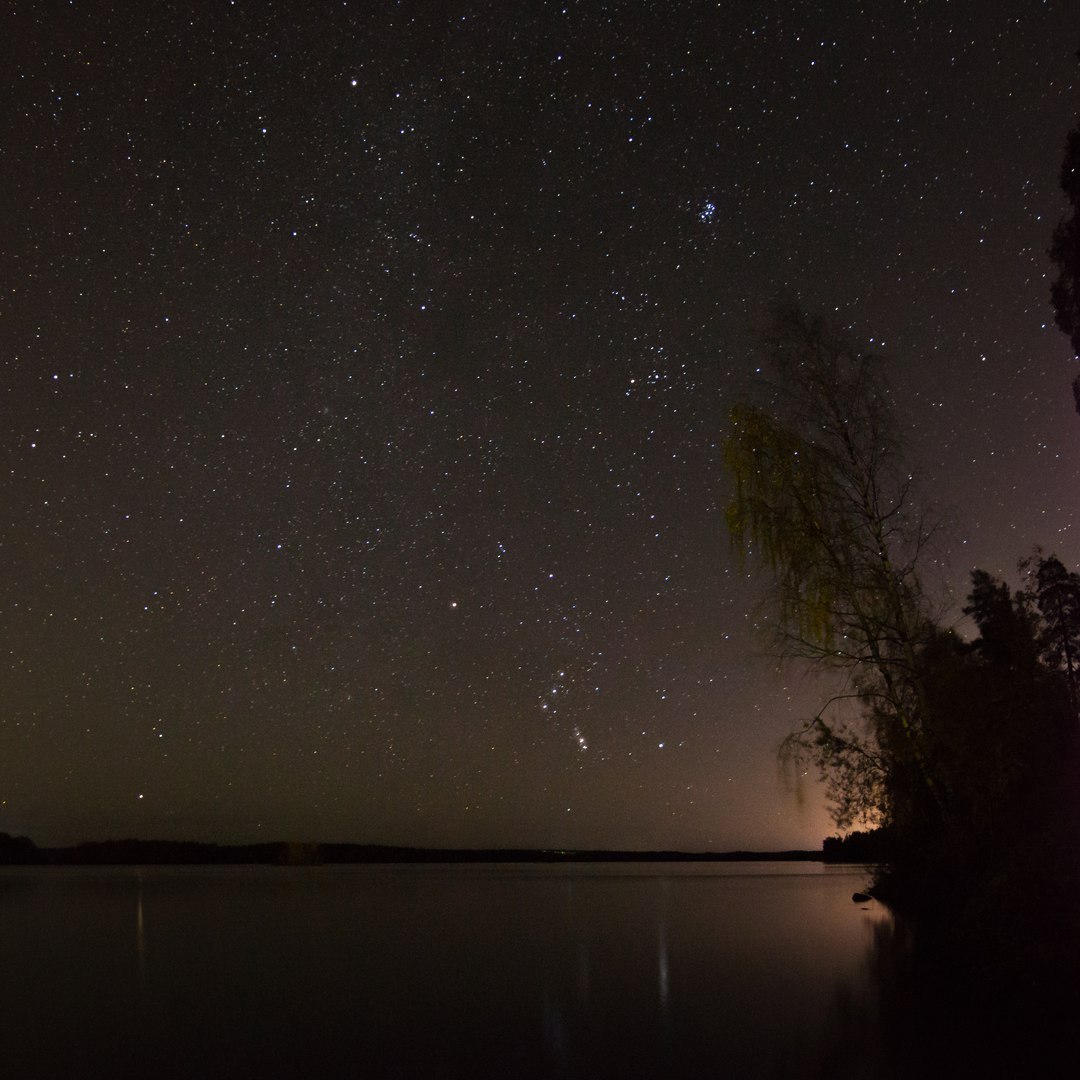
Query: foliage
x=822, y=493
x=995, y=723
x=853, y=769
x=1065, y=253
x=954, y=746
x=1058, y=598
x=1065, y=247
x=1006, y=624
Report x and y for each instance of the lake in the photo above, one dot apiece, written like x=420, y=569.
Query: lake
x=680, y=970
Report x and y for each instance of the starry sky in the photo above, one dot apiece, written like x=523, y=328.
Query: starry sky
x=364, y=369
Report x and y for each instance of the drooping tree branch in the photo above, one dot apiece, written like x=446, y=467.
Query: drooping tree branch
x=822, y=493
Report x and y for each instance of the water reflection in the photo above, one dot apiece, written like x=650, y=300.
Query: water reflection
x=662, y=971
x=485, y=972
x=662, y=967
x=140, y=932
x=941, y=1015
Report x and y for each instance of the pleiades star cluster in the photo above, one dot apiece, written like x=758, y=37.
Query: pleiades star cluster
x=364, y=369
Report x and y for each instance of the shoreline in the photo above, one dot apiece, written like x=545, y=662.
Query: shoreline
x=282, y=853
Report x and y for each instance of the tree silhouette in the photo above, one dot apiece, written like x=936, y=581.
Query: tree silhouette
x=822, y=492
x=997, y=714
x=1058, y=596
x=1065, y=252
x=1007, y=625
x=966, y=751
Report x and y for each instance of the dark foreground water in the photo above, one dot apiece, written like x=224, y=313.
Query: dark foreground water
x=684, y=970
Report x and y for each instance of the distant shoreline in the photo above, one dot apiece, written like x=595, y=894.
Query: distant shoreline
x=182, y=853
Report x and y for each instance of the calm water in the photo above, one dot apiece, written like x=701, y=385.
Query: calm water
x=680, y=970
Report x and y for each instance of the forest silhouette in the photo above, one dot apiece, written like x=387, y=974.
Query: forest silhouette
x=957, y=754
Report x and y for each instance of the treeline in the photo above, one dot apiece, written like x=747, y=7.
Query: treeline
x=860, y=846
x=997, y=789
x=17, y=850
x=998, y=725
x=964, y=751
x=22, y=851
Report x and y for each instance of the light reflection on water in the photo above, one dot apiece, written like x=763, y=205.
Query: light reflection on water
x=140, y=932
x=518, y=971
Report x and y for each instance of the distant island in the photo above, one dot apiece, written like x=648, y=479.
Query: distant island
x=20, y=850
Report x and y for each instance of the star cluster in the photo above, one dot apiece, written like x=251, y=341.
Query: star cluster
x=364, y=371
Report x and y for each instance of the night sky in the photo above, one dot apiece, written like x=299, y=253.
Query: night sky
x=364, y=369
